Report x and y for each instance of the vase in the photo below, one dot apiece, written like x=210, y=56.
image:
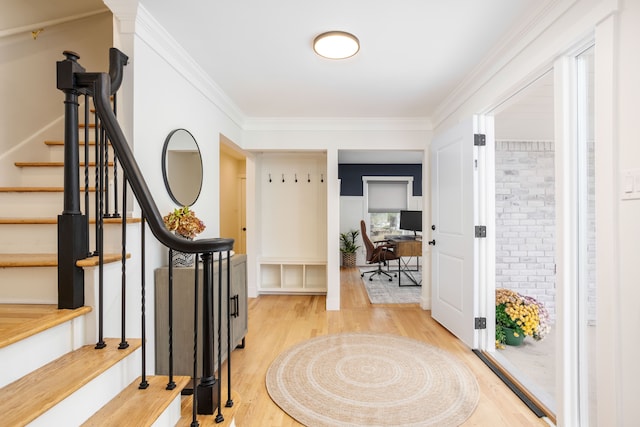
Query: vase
x=512, y=339
x=182, y=259
x=348, y=259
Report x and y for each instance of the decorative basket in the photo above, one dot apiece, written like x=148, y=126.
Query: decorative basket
x=182, y=259
x=348, y=259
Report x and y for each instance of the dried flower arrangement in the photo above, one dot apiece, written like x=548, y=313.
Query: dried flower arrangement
x=184, y=222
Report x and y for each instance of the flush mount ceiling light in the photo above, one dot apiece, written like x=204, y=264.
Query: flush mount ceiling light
x=336, y=45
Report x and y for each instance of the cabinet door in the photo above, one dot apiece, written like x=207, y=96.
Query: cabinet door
x=239, y=320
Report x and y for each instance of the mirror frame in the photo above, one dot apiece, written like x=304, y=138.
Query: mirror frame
x=165, y=176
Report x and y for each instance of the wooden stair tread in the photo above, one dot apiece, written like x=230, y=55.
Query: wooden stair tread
x=20, y=321
x=50, y=260
x=50, y=220
x=61, y=143
x=50, y=164
x=37, y=189
x=29, y=397
x=95, y=260
x=135, y=407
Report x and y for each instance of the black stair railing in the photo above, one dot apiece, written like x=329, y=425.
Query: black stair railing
x=73, y=228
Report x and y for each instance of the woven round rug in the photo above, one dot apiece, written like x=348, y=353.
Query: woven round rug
x=367, y=379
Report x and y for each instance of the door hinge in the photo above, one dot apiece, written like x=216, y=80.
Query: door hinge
x=481, y=231
x=479, y=139
x=480, y=322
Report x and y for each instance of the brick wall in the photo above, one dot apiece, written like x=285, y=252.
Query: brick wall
x=525, y=219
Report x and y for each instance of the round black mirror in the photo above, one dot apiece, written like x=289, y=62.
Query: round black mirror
x=182, y=167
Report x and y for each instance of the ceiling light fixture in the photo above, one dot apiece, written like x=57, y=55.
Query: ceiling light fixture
x=336, y=45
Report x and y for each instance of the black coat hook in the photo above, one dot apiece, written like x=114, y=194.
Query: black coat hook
x=321, y=177
x=296, y=177
x=269, y=177
x=308, y=177
x=282, y=177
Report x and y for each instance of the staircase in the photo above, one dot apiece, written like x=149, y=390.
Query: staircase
x=59, y=366
x=52, y=375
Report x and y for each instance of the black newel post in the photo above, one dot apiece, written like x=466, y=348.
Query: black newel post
x=72, y=243
x=207, y=390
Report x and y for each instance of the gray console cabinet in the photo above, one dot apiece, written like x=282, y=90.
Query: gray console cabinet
x=183, y=316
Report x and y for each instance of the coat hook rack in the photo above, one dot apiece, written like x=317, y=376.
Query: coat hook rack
x=269, y=177
x=282, y=177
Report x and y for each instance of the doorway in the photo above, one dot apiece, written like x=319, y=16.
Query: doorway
x=233, y=194
x=525, y=215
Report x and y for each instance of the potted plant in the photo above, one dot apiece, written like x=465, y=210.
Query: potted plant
x=518, y=316
x=183, y=222
x=348, y=247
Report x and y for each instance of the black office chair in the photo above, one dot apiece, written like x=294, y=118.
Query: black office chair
x=379, y=253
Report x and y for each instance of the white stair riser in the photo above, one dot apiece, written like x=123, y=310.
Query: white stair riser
x=52, y=176
x=43, y=238
x=50, y=344
x=84, y=402
x=32, y=285
x=112, y=302
x=40, y=204
x=56, y=153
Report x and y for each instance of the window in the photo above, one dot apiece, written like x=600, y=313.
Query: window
x=385, y=198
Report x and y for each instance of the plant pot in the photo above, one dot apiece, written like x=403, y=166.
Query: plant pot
x=348, y=259
x=512, y=339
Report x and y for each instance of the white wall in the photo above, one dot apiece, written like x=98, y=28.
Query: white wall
x=31, y=107
x=626, y=96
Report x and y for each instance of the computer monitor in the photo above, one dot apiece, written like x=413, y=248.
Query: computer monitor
x=411, y=220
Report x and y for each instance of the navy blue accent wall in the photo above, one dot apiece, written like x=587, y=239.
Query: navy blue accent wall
x=351, y=176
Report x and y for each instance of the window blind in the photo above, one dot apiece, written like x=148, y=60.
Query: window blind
x=387, y=196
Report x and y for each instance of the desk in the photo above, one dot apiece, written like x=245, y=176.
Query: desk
x=407, y=248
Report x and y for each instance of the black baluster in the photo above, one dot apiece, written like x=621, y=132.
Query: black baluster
x=123, y=341
x=219, y=417
x=229, y=403
x=194, y=406
x=171, y=384
x=143, y=383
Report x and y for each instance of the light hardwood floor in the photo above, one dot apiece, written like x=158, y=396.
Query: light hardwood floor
x=278, y=321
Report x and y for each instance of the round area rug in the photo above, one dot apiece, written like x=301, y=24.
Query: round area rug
x=367, y=379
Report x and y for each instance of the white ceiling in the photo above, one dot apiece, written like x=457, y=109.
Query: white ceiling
x=413, y=54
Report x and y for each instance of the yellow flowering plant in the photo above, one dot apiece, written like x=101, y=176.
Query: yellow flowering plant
x=524, y=314
x=184, y=222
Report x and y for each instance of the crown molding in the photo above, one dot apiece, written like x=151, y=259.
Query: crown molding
x=149, y=30
x=338, y=123
x=545, y=13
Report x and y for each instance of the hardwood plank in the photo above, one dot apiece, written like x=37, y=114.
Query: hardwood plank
x=32, y=395
x=186, y=411
x=135, y=407
x=20, y=321
x=278, y=321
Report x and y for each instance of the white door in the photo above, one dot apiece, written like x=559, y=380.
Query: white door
x=454, y=286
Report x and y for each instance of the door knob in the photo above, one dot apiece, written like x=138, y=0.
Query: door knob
x=432, y=242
